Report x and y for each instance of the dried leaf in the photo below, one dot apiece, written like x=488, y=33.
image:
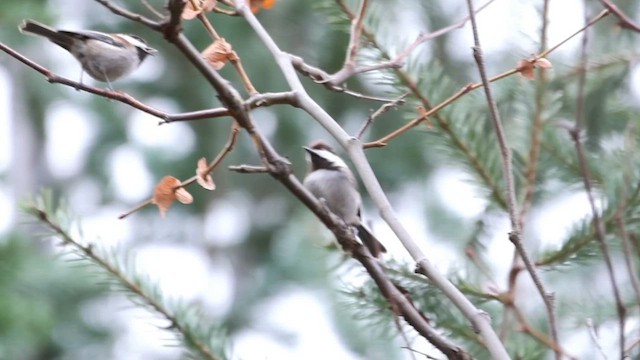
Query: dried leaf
x=183, y=196
x=218, y=53
x=256, y=5
x=167, y=191
x=543, y=63
x=525, y=67
x=189, y=12
x=203, y=178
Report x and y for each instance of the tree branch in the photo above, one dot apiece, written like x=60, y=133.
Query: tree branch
x=507, y=171
x=477, y=318
x=130, y=284
x=586, y=179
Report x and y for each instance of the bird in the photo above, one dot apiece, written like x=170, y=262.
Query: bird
x=105, y=57
x=330, y=179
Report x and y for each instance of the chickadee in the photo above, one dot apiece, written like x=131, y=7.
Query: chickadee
x=330, y=179
x=105, y=57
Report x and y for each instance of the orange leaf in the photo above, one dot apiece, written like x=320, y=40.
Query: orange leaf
x=218, y=53
x=189, y=12
x=256, y=5
x=168, y=190
x=203, y=178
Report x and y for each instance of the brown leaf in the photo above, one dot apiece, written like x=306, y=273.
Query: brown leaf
x=203, y=178
x=189, y=12
x=525, y=67
x=543, y=63
x=256, y=5
x=183, y=196
x=218, y=53
x=168, y=190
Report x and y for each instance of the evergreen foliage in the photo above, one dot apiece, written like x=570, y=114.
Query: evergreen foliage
x=265, y=239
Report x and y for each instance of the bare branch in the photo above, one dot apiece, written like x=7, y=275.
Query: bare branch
x=381, y=110
x=350, y=67
x=342, y=233
x=625, y=21
x=120, y=11
x=470, y=87
x=248, y=169
x=531, y=168
x=507, y=171
x=586, y=179
x=255, y=101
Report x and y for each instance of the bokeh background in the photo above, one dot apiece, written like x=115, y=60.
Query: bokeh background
x=253, y=258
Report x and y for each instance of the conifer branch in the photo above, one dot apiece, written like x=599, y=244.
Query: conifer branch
x=43, y=213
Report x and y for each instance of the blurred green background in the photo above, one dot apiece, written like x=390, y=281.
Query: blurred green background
x=248, y=254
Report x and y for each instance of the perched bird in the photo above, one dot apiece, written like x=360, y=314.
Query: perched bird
x=105, y=57
x=330, y=179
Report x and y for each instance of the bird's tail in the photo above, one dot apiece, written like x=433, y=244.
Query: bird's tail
x=34, y=27
x=370, y=241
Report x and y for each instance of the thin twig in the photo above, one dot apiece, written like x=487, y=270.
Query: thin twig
x=321, y=77
x=135, y=209
x=233, y=57
x=507, y=170
x=106, y=93
x=470, y=87
x=629, y=259
x=196, y=5
x=633, y=344
x=228, y=147
x=120, y=11
x=625, y=21
x=622, y=209
x=350, y=67
x=231, y=141
x=531, y=169
x=594, y=337
x=537, y=334
x=432, y=35
x=256, y=100
x=354, y=39
x=248, y=169
x=586, y=179
x=381, y=110
x=149, y=7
